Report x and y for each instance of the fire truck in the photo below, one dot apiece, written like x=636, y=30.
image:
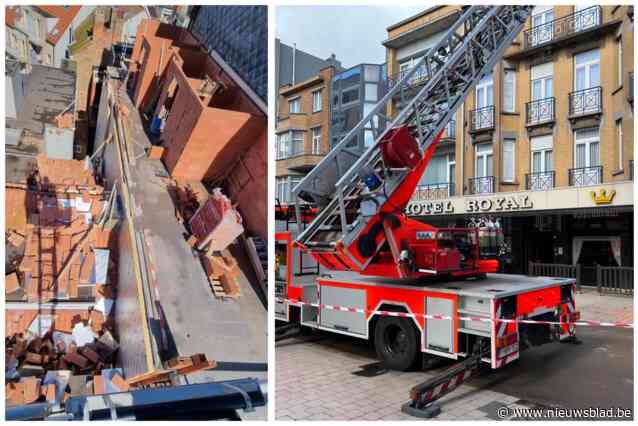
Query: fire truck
x=350, y=261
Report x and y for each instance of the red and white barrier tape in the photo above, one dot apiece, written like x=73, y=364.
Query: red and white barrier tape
x=460, y=318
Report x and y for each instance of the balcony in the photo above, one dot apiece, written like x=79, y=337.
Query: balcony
x=564, y=27
x=586, y=102
x=434, y=191
x=482, y=185
x=586, y=176
x=541, y=111
x=540, y=181
x=418, y=78
x=482, y=119
x=577, y=27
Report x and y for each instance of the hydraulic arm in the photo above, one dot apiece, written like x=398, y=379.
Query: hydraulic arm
x=362, y=196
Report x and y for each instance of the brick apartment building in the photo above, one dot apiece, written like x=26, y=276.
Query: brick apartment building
x=302, y=130
x=204, y=117
x=544, y=145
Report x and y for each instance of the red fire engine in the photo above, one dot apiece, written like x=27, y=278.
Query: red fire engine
x=350, y=261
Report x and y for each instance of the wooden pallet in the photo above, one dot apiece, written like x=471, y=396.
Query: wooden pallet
x=217, y=287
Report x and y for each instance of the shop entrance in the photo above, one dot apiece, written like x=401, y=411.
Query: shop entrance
x=603, y=251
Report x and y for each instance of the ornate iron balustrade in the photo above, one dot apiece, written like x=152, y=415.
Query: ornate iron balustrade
x=482, y=185
x=434, y=191
x=563, y=27
x=586, y=101
x=420, y=76
x=482, y=118
x=540, y=181
x=540, y=111
x=584, y=176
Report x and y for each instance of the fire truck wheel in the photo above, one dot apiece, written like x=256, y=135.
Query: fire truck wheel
x=396, y=343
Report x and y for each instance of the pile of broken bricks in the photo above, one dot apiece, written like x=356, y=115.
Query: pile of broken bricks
x=35, y=365
x=58, y=345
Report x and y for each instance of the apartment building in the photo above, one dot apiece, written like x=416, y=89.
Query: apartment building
x=26, y=36
x=302, y=130
x=544, y=145
x=355, y=92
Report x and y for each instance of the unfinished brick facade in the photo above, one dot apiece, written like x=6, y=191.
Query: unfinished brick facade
x=210, y=126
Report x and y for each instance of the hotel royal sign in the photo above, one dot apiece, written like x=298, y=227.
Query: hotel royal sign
x=560, y=198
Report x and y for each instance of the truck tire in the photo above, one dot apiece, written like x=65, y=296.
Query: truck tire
x=396, y=343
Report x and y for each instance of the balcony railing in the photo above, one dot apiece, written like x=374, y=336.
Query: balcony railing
x=540, y=181
x=563, y=27
x=482, y=119
x=540, y=111
x=482, y=185
x=585, y=176
x=419, y=77
x=434, y=191
x=586, y=101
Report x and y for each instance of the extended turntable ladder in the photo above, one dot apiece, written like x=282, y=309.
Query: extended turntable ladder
x=468, y=51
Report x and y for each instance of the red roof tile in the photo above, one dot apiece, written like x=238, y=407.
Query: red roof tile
x=65, y=15
x=11, y=13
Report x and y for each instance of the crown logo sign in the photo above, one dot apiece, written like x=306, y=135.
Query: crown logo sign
x=602, y=197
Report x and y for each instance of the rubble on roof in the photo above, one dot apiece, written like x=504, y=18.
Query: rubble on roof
x=45, y=347
x=70, y=173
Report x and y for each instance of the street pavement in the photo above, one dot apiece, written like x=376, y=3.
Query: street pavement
x=325, y=376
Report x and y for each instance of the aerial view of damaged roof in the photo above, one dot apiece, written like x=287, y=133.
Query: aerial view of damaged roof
x=60, y=287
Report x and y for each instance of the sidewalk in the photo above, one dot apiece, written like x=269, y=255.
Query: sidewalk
x=322, y=376
x=596, y=307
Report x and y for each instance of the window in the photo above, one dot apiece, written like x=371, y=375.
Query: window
x=316, y=140
x=620, y=143
x=350, y=95
x=542, y=147
x=620, y=61
x=587, y=70
x=371, y=92
x=509, y=153
x=542, y=25
x=77, y=148
x=296, y=145
x=485, y=92
x=587, y=148
x=281, y=145
x=542, y=176
x=295, y=105
x=284, y=187
x=586, y=158
x=316, y=101
x=483, y=159
x=509, y=91
x=542, y=81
